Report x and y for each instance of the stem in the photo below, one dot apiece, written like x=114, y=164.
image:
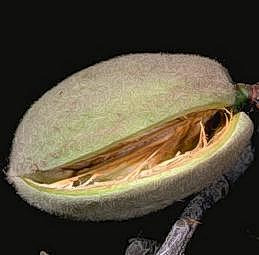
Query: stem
x=242, y=95
x=246, y=94
x=255, y=94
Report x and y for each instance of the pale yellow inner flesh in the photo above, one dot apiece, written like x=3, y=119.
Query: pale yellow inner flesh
x=164, y=148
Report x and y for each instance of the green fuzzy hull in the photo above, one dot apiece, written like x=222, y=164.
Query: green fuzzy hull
x=102, y=105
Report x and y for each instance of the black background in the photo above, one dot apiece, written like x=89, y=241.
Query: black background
x=40, y=49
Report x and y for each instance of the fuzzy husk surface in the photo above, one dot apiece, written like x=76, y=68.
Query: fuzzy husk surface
x=100, y=106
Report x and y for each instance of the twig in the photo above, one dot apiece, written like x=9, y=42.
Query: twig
x=142, y=246
x=43, y=253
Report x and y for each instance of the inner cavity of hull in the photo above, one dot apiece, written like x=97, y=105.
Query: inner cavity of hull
x=158, y=150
